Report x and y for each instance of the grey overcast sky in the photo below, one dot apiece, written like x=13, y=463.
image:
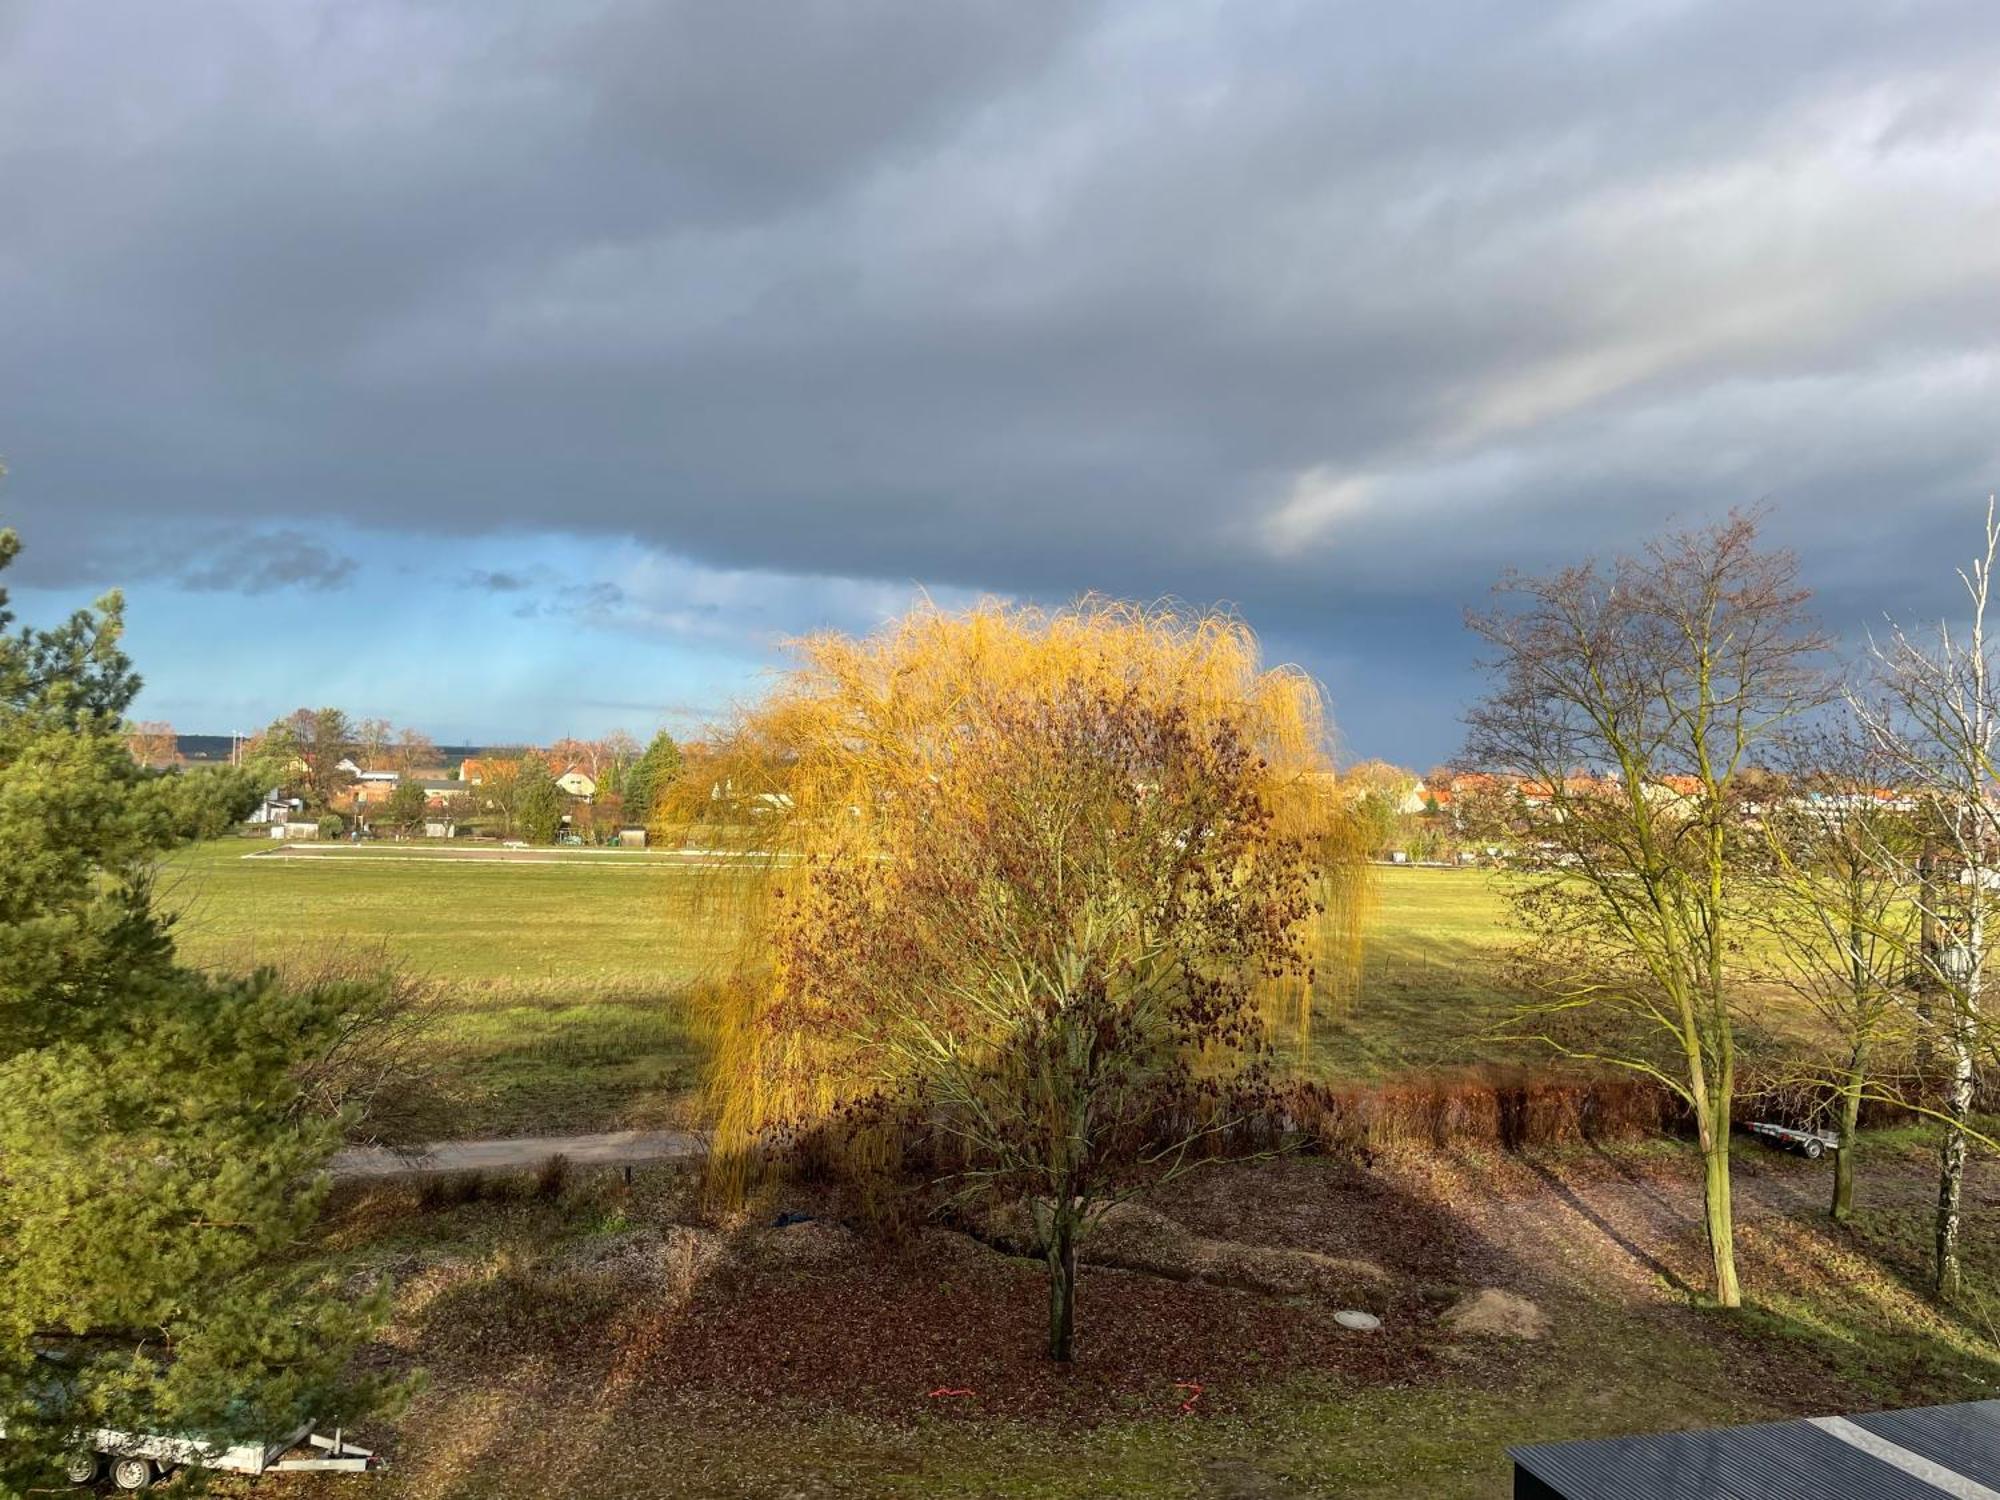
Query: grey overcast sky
x=515, y=369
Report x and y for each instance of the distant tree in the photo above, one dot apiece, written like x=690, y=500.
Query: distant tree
x=406, y=808
x=412, y=752
x=153, y=744
x=1934, y=715
x=1393, y=782
x=205, y=802
x=1632, y=703
x=1839, y=910
x=647, y=782
x=331, y=825
x=538, y=801
x=373, y=740
x=620, y=751
x=271, y=756
x=607, y=815
x=1377, y=816
x=159, y=1164
x=1379, y=790
x=500, y=787
x=303, y=752
x=592, y=757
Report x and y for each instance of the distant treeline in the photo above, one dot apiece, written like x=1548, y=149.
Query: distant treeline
x=215, y=749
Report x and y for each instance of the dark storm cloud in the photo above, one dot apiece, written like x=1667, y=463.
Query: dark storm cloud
x=199, y=559
x=597, y=602
x=264, y=564
x=496, y=581
x=1323, y=310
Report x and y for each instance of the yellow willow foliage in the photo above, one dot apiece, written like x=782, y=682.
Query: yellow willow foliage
x=800, y=777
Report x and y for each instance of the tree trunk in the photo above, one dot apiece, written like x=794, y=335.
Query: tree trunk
x=1850, y=1124
x=1930, y=951
x=1062, y=1289
x=1719, y=1211
x=1951, y=1159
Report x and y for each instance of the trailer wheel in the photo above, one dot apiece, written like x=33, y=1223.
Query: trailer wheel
x=1815, y=1149
x=80, y=1468
x=132, y=1473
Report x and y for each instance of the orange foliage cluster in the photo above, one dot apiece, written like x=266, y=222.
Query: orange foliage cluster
x=819, y=773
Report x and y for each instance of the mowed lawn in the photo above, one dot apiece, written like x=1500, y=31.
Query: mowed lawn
x=564, y=980
x=567, y=976
x=592, y=919
x=1430, y=991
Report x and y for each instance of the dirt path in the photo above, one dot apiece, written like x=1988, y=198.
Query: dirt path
x=1550, y=1218
x=615, y=1148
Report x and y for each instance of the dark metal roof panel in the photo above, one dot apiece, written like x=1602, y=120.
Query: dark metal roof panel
x=1778, y=1461
x=1965, y=1439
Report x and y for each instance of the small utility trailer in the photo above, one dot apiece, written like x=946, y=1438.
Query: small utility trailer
x=1813, y=1144
x=137, y=1460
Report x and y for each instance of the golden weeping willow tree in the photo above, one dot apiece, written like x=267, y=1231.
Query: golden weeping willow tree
x=823, y=774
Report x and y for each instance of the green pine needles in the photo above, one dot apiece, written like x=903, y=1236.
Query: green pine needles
x=159, y=1165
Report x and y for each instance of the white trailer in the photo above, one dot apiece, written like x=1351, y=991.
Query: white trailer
x=137, y=1460
x=1813, y=1144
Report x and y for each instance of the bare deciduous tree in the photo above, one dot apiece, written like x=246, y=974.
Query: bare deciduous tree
x=153, y=744
x=413, y=751
x=1936, y=722
x=1631, y=700
x=1839, y=913
x=372, y=741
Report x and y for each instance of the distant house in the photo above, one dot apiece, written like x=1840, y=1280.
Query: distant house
x=276, y=808
x=373, y=788
x=471, y=770
x=632, y=838
x=578, y=783
x=1671, y=789
x=440, y=828
x=443, y=789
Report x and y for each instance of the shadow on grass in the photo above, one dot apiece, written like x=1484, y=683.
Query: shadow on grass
x=609, y=1341
x=1575, y=1202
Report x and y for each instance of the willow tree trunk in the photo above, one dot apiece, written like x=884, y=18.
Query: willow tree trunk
x=1062, y=1289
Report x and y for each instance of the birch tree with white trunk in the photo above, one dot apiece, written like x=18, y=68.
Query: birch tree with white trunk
x=1934, y=716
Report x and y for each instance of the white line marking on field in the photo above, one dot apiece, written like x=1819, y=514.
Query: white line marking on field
x=465, y=859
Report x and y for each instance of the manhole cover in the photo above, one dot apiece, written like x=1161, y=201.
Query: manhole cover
x=1360, y=1322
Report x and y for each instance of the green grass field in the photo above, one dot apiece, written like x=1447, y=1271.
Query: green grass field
x=566, y=975
x=563, y=979
x=566, y=981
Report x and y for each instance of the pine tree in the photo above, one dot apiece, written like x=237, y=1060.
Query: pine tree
x=538, y=801
x=407, y=808
x=649, y=777
x=156, y=1166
